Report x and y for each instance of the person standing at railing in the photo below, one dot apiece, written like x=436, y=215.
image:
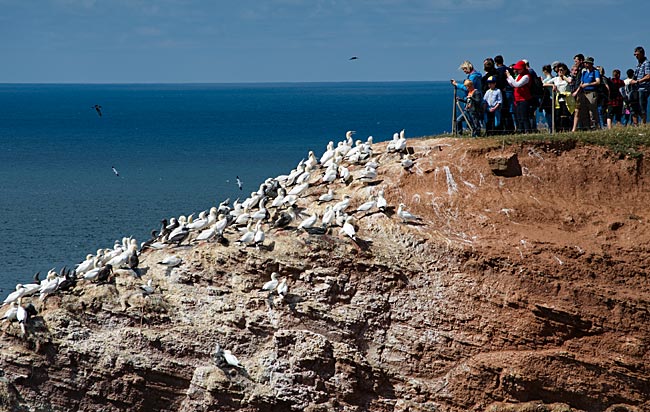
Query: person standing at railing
x=564, y=101
x=492, y=101
x=522, y=95
x=615, y=101
x=642, y=81
x=507, y=93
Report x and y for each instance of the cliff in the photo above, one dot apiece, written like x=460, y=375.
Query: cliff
x=523, y=287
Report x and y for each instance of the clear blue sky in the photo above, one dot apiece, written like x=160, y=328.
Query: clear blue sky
x=135, y=41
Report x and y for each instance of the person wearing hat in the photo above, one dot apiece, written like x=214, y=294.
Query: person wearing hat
x=587, y=97
x=492, y=101
x=522, y=94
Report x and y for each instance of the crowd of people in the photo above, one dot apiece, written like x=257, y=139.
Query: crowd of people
x=507, y=99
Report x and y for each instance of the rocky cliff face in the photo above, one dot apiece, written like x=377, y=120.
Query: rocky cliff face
x=523, y=287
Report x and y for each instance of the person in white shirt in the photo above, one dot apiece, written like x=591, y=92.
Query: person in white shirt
x=492, y=102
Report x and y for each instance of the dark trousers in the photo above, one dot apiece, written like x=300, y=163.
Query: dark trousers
x=522, y=115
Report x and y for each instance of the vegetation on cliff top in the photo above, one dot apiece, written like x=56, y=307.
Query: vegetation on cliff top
x=625, y=141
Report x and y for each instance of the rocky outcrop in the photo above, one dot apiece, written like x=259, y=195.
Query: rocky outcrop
x=518, y=293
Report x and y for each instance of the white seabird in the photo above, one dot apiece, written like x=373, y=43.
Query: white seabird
x=328, y=216
x=364, y=207
x=381, y=202
x=259, y=235
x=171, y=261
x=21, y=317
x=14, y=296
x=10, y=314
x=327, y=196
x=283, y=288
x=348, y=228
x=405, y=215
x=343, y=204
x=271, y=284
x=231, y=359
x=309, y=222
x=148, y=288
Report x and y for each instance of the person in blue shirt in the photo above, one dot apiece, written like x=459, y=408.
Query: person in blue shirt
x=588, y=92
x=468, y=68
x=642, y=81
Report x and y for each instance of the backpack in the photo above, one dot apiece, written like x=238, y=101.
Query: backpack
x=536, y=86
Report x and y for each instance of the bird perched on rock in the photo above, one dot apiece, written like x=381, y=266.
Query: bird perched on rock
x=171, y=261
x=405, y=215
x=105, y=273
x=283, y=288
x=271, y=284
x=148, y=288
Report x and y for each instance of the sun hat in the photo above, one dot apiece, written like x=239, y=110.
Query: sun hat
x=589, y=59
x=555, y=64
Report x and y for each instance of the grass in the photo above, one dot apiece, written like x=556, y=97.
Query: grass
x=624, y=141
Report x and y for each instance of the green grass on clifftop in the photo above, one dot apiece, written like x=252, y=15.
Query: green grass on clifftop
x=625, y=141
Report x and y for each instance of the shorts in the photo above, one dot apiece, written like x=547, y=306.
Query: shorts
x=614, y=112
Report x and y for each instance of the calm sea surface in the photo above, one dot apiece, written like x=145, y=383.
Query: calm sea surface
x=177, y=148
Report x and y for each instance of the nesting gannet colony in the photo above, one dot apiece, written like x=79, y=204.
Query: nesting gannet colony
x=305, y=199
x=379, y=277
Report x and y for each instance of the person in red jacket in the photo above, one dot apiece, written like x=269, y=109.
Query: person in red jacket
x=523, y=96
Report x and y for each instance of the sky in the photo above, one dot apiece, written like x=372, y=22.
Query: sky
x=233, y=41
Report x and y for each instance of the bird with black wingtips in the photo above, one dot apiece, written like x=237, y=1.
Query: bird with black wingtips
x=98, y=109
x=115, y=171
x=240, y=183
x=179, y=236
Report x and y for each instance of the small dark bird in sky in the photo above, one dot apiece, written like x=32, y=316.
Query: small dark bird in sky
x=351, y=58
x=98, y=109
x=239, y=183
x=115, y=171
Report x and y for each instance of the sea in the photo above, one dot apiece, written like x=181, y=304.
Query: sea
x=176, y=149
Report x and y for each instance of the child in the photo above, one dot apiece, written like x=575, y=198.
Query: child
x=492, y=104
x=473, y=108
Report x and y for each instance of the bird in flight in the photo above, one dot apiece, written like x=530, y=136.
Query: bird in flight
x=98, y=109
x=239, y=183
x=353, y=58
x=115, y=171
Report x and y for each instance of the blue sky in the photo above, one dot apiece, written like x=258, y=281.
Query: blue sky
x=144, y=41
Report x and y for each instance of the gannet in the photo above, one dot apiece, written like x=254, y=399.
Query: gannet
x=98, y=109
x=115, y=171
x=249, y=236
x=231, y=359
x=262, y=213
x=21, y=317
x=271, y=284
x=49, y=285
x=283, y=288
x=348, y=228
x=329, y=153
x=368, y=174
x=298, y=189
x=343, y=204
x=327, y=196
x=309, y=222
x=344, y=174
x=381, y=202
x=86, y=265
x=279, y=199
x=285, y=218
x=364, y=207
x=328, y=216
x=171, y=261
x=407, y=162
x=405, y=215
x=14, y=296
x=10, y=314
x=311, y=162
x=330, y=174
x=148, y=288
x=259, y=236
x=239, y=183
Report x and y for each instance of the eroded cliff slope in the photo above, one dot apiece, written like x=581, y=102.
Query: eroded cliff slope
x=527, y=287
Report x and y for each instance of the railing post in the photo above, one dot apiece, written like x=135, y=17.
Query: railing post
x=453, y=113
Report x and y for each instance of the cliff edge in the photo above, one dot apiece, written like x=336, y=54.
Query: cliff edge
x=522, y=286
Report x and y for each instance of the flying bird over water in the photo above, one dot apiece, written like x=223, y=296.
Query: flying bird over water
x=98, y=109
x=353, y=58
x=240, y=183
x=115, y=171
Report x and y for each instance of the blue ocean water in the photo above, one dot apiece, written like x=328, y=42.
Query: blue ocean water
x=177, y=148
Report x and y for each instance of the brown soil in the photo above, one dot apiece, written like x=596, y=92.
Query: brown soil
x=524, y=287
